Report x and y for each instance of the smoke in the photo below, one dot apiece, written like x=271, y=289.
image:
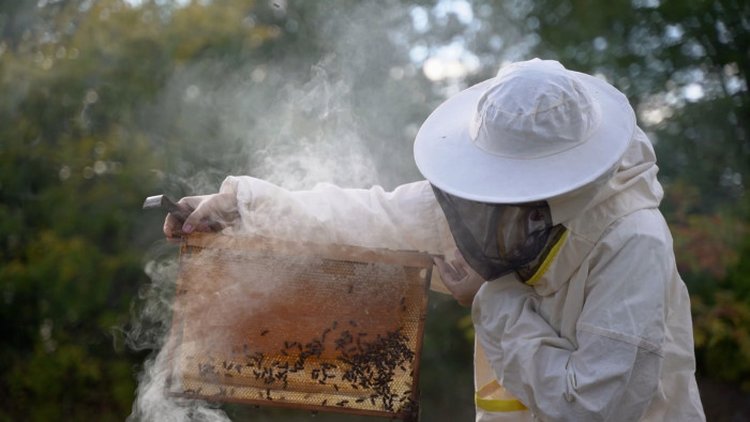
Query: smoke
x=339, y=116
x=344, y=112
x=295, y=122
x=153, y=329
x=154, y=403
x=315, y=138
x=148, y=331
x=293, y=133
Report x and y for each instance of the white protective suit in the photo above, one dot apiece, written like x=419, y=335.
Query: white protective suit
x=604, y=334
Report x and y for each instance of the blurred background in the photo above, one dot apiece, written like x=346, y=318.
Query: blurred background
x=104, y=102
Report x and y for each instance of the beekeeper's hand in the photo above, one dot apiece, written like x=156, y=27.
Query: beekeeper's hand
x=208, y=213
x=462, y=281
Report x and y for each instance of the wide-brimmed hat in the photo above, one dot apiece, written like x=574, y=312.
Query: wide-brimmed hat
x=533, y=132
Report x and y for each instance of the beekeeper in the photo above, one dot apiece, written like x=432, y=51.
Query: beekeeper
x=541, y=193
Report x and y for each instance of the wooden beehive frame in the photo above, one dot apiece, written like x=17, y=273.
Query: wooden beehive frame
x=356, y=353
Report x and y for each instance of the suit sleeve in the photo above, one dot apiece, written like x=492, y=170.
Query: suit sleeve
x=407, y=218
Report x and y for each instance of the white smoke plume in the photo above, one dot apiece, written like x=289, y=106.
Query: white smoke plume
x=347, y=118
x=269, y=120
x=149, y=330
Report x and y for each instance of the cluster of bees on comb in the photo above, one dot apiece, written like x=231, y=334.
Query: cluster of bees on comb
x=363, y=373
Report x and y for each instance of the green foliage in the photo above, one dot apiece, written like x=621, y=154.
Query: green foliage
x=722, y=323
x=71, y=180
x=721, y=337
x=75, y=169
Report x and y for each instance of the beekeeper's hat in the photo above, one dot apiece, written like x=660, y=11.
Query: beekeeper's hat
x=535, y=131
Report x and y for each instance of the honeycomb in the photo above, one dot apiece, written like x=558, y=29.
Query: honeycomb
x=322, y=328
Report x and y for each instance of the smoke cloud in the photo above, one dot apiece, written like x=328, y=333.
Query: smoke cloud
x=292, y=122
x=347, y=116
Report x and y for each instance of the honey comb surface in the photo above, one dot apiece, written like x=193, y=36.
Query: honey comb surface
x=299, y=325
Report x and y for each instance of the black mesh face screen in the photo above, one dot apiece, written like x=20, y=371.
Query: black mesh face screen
x=496, y=239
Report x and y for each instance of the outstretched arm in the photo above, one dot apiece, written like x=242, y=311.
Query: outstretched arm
x=407, y=218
